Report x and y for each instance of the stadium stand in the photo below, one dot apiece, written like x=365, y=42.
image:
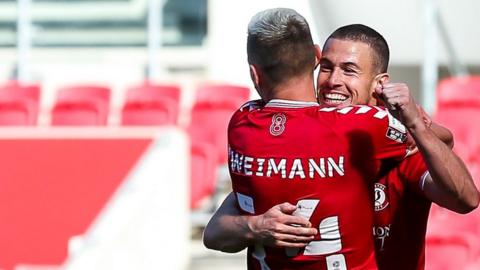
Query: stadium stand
x=458, y=107
x=81, y=105
x=151, y=104
x=449, y=253
x=220, y=93
x=214, y=105
x=19, y=104
x=203, y=174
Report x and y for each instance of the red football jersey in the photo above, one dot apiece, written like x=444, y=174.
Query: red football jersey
x=401, y=214
x=324, y=161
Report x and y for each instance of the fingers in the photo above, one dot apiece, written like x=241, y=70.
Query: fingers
x=397, y=95
x=287, y=208
x=278, y=227
x=292, y=236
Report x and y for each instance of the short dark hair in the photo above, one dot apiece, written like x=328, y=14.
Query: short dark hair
x=367, y=35
x=280, y=44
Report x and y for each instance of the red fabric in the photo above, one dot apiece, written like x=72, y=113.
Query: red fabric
x=401, y=214
x=52, y=189
x=280, y=133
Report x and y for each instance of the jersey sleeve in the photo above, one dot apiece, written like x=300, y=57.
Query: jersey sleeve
x=413, y=171
x=375, y=129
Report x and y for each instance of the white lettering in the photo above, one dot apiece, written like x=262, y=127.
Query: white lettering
x=247, y=165
x=237, y=162
x=334, y=166
x=276, y=169
x=297, y=169
x=313, y=167
x=260, y=162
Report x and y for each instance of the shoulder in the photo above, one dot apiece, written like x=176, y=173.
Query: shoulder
x=251, y=105
x=246, y=109
x=357, y=111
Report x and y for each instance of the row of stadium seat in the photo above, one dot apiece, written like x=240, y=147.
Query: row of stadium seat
x=145, y=105
x=88, y=105
x=452, y=239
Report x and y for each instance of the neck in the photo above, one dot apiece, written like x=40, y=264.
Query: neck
x=297, y=89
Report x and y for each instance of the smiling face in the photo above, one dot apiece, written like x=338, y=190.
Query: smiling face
x=347, y=73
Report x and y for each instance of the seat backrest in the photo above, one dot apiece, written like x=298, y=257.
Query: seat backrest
x=203, y=172
x=221, y=93
x=462, y=121
x=162, y=111
x=149, y=91
x=83, y=93
x=448, y=253
x=31, y=91
x=81, y=105
x=209, y=123
x=460, y=91
x=151, y=105
x=19, y=104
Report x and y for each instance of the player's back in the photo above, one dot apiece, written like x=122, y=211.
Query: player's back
x=323, y=160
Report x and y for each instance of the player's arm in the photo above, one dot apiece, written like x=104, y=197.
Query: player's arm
x=449, y=183
x=230, y=231
x=444, y=134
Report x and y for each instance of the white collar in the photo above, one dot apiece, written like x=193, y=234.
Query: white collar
x=283, y=103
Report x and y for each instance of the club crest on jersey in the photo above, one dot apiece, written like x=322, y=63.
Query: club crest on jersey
x=381, y=201
x=278, y=124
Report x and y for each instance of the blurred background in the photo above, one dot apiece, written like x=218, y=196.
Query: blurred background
x=113, y=118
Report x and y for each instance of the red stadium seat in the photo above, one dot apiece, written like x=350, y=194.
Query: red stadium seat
x=446, y=222
x=203, y=173
x=155, y=90
x=151, y=105
x=209, y=123
x=82, y=105
x=459, y=91
x=458, y=109
x=221, y=93
x=449, y=253
x=19, y=104
x=214, y=105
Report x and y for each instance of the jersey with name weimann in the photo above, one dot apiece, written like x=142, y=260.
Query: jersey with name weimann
x=322, y=160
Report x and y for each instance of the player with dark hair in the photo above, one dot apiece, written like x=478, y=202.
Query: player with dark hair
x=274, y=157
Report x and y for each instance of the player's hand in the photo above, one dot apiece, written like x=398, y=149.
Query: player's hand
x=279, y=228
x=400, y=103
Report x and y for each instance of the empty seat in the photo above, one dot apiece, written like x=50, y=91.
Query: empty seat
x=203, y=172
x=164, y=90
x=457, y=91
x=458, y=109
x=221, y=93
x=449, y=253
x=19, y=104
x=81, y=105
x=209, y=123
x=151, y=105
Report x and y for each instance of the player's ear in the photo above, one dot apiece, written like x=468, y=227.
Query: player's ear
x=318, y=55
x=255, y=76
x=379, y=81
